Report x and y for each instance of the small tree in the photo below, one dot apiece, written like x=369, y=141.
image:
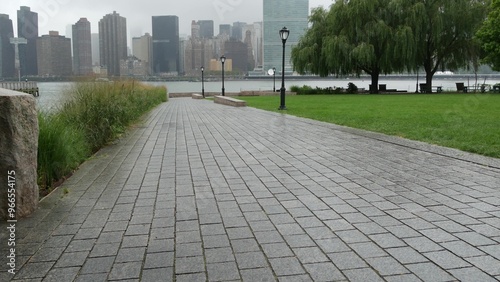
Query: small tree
x=489, y=36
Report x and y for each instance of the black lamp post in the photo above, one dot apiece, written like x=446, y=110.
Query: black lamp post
x=223, y=60
x=284, y=32
x=274, y=79
x=202, y=82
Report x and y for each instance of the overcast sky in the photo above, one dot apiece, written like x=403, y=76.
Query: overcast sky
x=58, y=14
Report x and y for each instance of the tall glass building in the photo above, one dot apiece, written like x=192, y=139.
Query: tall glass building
x=292, y=14
x=27, y=28
x=166, y=44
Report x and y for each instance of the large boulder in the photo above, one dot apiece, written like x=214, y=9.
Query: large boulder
x=18, y=153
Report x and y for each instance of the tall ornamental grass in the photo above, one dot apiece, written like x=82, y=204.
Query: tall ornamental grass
x=92, y=115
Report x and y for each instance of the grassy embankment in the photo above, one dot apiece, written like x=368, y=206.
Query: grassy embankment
x=93, y=115
x=469, y=122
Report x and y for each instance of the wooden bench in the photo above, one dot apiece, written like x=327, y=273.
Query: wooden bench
x=228, y=101
x=196, y=96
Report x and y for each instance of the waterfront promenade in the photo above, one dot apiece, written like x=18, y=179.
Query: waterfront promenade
x=201, y=191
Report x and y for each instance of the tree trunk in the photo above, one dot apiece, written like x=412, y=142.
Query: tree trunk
x=428, y=82
x=374, y=85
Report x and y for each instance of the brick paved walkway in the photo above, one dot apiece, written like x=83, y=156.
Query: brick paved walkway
x=210, y=192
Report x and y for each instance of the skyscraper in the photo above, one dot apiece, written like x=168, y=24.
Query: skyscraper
x=54, y=55
x=225, y=29
x=142, y=48
x=27, y=27
x=82, y=47
x=166, y=44
x=206, y=29
x=112, y=42
x=292, y=14
x=7, y=54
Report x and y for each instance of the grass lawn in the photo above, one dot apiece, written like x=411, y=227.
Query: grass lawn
x=469, y=122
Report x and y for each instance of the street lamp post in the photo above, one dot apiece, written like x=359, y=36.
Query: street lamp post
x=284, y=32
x=202, y=82
x=274, y=79
x=223, y=60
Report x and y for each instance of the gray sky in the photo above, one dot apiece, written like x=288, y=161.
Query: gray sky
x=58, y=14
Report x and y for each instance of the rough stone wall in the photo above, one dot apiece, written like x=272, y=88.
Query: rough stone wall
x=18, y=152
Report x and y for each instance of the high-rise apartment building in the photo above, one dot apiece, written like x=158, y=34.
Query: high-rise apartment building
x=237, y=31
x=292, y=14
x=7, y=53
x=54, y=55
x=142, y=48
x=27, y=28
x=112, y=42
x=82, y=47
x=166, y=44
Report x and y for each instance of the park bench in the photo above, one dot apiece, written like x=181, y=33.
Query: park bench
x=228, y=101
x=423, y=88
x=196, y=96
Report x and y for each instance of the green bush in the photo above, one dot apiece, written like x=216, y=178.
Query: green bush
x=352, y=88
x=92, y=115
x=308, y=90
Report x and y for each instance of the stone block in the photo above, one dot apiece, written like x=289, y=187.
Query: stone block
x=228, y=101
x=18, y=152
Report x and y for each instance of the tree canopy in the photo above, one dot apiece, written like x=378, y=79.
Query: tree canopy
x=352, y=37
x=385, y=36
x=489, y=36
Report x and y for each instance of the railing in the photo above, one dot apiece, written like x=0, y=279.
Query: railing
x=30, y=87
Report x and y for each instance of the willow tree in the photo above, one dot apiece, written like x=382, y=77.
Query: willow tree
x=489, y=36
x=355, y=36
x=444, y=33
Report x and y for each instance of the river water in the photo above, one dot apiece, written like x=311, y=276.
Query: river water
x=52, y=93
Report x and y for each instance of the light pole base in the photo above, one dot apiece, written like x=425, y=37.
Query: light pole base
x=282, y=108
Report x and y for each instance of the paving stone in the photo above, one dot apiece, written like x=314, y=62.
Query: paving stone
x=62, y=274
x=103, y=250
x=446, y=259
x=34, y=270
x=471, y=274
x=347, y=260
x=362, y=274
x=189, y=265
x=406, y=255
x=127, y=270
x=277, y=250
x=257, y=274
x=97, y=265
x=157, y=274
x=310, y=255
x=72, y=259
x=387, y=266
x=191, y=277
x=130, y=254
x=324, y=271
x=251, y=260
x=429, y=272
x=286, y=266
x=47, y=254
x=97, y=277
x=223, y=271
x=159, y=260
x=219, y=255
x=488, y=264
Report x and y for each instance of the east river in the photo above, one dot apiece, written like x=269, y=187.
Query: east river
x=52, y=93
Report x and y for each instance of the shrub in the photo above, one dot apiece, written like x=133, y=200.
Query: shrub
x=352, y=88
x=93, y=115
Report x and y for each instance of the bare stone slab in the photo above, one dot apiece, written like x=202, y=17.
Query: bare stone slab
x=228, y=101
x=18, y=153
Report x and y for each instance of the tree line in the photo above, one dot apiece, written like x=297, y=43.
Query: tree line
x=386, y=36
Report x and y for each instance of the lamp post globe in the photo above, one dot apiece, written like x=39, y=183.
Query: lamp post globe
x=202, y=82
x=284, y=33
x=223, y=60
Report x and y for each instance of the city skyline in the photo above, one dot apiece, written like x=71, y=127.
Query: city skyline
x=57, y=15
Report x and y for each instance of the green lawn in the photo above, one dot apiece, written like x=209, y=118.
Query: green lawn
x=469, y=122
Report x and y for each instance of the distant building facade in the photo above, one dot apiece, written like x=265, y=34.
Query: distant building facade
x=237, y=51
x=7, y=52
x=112, y=42
x=96, y=57
x=166, y=45
x=142, y=49
x=54, y=55
x=27, y=27
x=82, y=47
x=237, y=31
x=133, y=67
x=225, y=29
x=292, y=14
x=206, y=29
